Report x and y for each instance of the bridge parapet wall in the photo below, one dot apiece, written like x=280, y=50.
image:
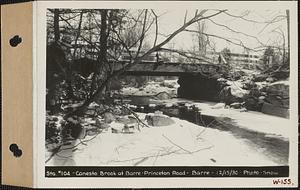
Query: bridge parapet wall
x=173, y=69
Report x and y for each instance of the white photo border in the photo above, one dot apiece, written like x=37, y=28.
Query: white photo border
x=40, y=180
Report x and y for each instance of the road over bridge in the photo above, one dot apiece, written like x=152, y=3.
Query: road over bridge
x=172, y=69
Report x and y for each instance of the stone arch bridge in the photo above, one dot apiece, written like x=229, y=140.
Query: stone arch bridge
x=196, y=80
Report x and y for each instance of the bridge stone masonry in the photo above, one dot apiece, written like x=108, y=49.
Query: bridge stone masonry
x=172, y=69
x=196, y=80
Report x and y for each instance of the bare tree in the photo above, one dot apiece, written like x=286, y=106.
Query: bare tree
x=202, y=40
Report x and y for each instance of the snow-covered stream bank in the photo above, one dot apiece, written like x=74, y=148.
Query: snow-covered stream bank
x=252, y=120
x=251, y=138
x=218, y=135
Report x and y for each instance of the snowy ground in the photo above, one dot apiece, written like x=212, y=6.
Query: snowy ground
x=182, y=143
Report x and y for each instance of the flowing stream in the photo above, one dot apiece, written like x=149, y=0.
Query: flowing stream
x=275, y=148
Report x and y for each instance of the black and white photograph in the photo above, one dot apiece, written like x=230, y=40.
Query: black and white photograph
x=167, y=87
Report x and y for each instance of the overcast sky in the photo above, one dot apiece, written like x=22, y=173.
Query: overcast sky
x=255, y=24
x=172, y=19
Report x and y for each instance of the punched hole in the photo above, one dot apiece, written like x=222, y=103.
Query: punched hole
x=15, y=150
x=15, y=41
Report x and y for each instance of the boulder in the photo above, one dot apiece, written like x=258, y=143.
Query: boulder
x=115, y=130
x=260, y=78
x=218, y=106
x=109, y=117
x=253, y=104
x=233, y=93
x=129, y=129
x=163, y=96
x=279, y=88
x=237, y=105
x=248, y=85
x=73, y=130
x=158, y=120
x=93, y=105
x=157, y=112
x=270, y=79
x=278, y=101
x=281, y=74
x=152, y=105
x=256, y=92
x=278, y=94
x=261, y=99
x=222, y=83
x=127, y=120
x=238, y=92
x=222, y=80
x=169, y=84
x=275, y=110
x=92, y=132
x=236, y=75
x=101, y=124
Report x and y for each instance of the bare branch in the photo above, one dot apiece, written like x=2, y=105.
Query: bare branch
x=175, y=33
x=226, y=39
x=60, y=149
x=176, y=144
x=142, y=35
x=271, y=22
x=134, y=114
x=255, y=21
x=185, y=16
x=235, y=31
x=156, y=27
x=196, y=12
x=77, y=34
x=86, y=40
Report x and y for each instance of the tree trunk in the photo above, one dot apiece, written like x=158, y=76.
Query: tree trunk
x=103, y=38
x=56, y=25
x=288, y=31
x=103, y=41
x=101, y=60
x=70, y=92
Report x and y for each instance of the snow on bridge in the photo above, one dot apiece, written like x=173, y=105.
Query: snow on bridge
x=171, y=69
